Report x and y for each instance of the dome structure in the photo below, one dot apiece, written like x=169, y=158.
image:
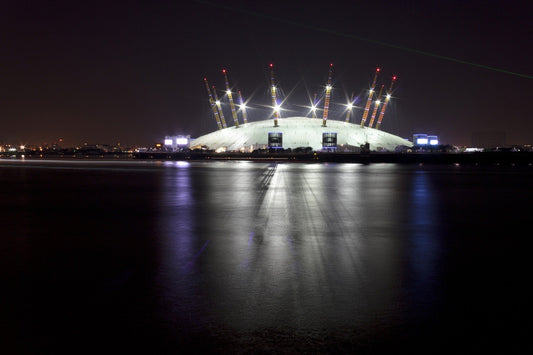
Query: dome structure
x=298, y=132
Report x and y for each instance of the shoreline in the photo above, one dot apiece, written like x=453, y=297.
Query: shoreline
x=476, y=158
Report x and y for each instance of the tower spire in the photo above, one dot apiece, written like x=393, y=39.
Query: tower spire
x=387, y=99
x=328, y=93
x=213, y=105
x=369, y=101
x=230, y=98
x=274, y=96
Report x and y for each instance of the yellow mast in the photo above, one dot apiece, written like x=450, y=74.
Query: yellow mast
x=350, y=105
x=243, y=109
x=213, y=105
x=221, y=114
x=328, y=92
x=387, y=98
x=230, y=97
x=376, y=105
x=369, y=101
x=274, y=96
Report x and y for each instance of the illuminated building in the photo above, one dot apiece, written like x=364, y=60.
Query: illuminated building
x=174, y=143
x=425, y=140
x=298, y=132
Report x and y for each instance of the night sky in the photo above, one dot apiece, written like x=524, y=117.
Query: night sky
x=132, y=72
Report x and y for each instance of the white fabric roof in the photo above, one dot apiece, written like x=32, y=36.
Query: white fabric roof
x=298, y=132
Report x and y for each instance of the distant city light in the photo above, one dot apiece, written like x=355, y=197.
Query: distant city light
x=168, y=141
x=422, y=141
x=182, y=141
x=433, y=140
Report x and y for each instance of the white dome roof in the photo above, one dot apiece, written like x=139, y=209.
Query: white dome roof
x=298, y=132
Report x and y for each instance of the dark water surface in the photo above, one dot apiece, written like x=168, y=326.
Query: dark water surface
x=238, y=257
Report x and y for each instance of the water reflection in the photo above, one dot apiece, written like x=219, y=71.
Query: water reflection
x=180, y=248
x=425, y=247
x=250, y=246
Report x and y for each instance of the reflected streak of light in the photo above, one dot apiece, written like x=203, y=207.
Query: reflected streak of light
x=191, y=262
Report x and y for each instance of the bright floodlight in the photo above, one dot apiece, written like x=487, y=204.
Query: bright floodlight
x=182, y=141
x=242, y=107
x=378, y=102
x=168, y=141
x=328, y=87
x=388, y=96
x=277, y=108
x=228, y=92
x=217, y=102
x=313, y=108
x=350, y=106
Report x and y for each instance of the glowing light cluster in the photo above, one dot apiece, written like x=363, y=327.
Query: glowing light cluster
x=424, y=139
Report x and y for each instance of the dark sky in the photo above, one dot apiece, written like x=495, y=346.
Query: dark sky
x=132, y=72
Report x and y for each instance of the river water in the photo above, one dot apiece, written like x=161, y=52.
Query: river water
x=245, y=257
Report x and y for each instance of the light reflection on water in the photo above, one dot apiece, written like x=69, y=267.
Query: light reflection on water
x=235, y=254
x=250, y=246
